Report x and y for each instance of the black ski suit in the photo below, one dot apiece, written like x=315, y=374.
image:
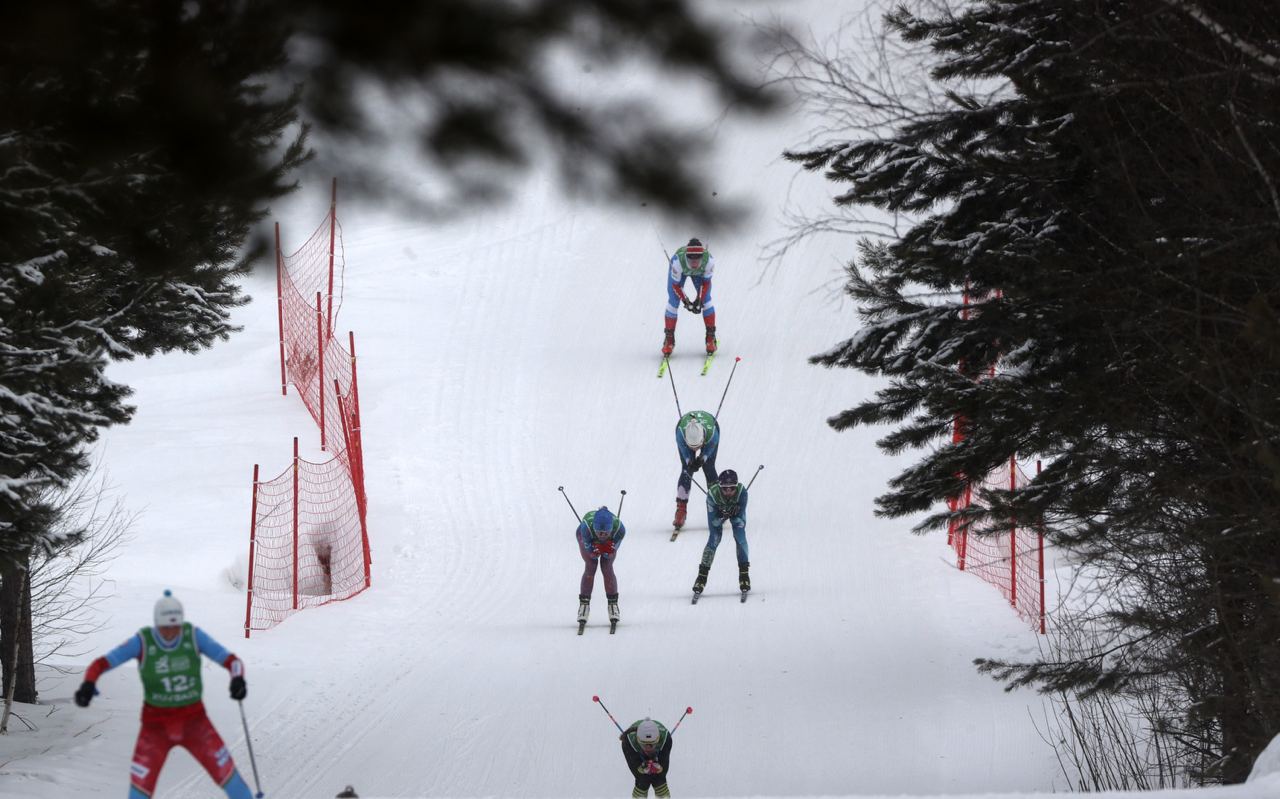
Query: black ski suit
x=636, y=759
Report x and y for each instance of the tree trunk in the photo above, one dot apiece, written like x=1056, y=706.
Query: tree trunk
x=16, y=655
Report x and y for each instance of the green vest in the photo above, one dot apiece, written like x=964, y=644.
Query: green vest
x=170, y=678
x=718, y=499
x=705, y=419
x=685, y=269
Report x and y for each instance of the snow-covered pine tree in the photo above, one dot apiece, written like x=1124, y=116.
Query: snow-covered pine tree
x=138, y=150
x=1111, y=211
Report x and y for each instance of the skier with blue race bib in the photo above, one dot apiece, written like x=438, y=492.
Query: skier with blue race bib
x=168, y=656
x=726, y=502
x=599, y=535
x=697, y=442
x=691, y=262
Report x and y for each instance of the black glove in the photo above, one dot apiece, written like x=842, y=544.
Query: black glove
x=85, y=693
x=694, y=465
x=695, y=307
x=728, y=511
x=238, y=689
x=687, y=303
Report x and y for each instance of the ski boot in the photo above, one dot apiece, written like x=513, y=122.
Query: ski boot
x=700, y=582
x=744, y=579
x=711, y=339
x=584, y=608
x=682, y=511
x=613, y=614
x=669, y=337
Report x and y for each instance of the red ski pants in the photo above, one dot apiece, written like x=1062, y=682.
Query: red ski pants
x=165, y=728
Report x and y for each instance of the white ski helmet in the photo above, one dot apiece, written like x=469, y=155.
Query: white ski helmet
x=168, y=610
x=695, y=435
x=647, y=733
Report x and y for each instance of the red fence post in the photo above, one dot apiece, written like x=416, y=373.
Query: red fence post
x=1040, y=535
x=333, y=224
x=284, y=380
x=295, y=522
x=1013, y=538
x=320, y=366
x=964, y=528
x=253, y=530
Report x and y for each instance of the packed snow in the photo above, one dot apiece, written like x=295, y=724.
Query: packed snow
x=501, y=356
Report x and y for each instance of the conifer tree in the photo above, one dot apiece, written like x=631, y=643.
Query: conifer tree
x=1110, y=213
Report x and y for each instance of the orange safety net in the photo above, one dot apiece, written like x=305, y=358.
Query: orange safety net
x=309, y=541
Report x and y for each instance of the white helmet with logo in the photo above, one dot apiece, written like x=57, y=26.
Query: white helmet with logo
x=647, y=733
x=695, y=435
x=168, y=610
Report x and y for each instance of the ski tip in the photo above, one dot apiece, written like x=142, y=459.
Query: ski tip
x=737, y=358
x=688, y=710
x=595, y=699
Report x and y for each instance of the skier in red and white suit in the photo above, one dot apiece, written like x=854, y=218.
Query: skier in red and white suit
x=168, y=656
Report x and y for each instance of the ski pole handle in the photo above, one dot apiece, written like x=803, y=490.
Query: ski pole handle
x=596, y=699
x=726, y=384
x=754, y=476
x=575, y=510
x=686, y=712
x=621, y=500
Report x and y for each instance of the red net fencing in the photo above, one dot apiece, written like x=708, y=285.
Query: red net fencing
x=308, y=541
x=1012, y=560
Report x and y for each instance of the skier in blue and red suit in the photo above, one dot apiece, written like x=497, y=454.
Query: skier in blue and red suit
x=168, y=656
x=599, y=536
x=690, y=261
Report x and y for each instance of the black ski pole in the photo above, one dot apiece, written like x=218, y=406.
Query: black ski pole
x=686, y=712
x=256, y=782
x=575, y=510
x=726, y=385
x=699, y=485
x=673, y=386
x=596, y=699
x=754, y=476
x=621, y=500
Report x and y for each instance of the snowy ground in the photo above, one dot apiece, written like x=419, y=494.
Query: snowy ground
x=501, y=357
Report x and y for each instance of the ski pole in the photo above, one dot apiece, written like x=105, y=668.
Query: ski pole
x=726, y=385
x=248, y=742
x=575, y=510
x=754, y=476
x=671, y=375
x=596, y=699
x=686, y=712
x=699, y=485
x=621, y=500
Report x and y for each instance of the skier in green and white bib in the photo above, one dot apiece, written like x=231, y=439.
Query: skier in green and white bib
x=168, y=656
x=647, y=747
x=697, y=441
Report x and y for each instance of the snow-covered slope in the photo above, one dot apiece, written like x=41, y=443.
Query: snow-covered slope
x=501, y=357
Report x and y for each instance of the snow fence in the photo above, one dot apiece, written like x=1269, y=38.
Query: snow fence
x=308, y=538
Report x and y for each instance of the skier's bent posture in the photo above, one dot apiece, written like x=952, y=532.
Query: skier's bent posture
x=690, y=261
x=647, y=747
x=726, y=502
x=697, y=442
x=168, y=656
x=599, y=536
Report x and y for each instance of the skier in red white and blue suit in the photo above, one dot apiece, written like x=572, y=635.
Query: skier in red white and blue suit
x=168, y=656
x=692, y=261
x=599, y=536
